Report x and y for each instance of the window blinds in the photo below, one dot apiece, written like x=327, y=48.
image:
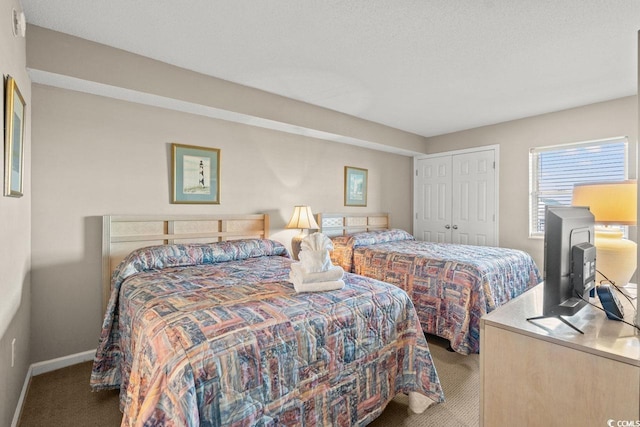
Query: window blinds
x=554, y=171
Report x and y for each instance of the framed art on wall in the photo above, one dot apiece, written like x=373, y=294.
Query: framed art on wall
x=195, y=174
x=355, y=186
x=13, y=139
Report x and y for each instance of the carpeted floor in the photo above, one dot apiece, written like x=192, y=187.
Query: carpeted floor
x=63, y=397
x=460, y=380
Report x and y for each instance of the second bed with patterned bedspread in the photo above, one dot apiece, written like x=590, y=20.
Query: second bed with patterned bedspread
x=451, y=285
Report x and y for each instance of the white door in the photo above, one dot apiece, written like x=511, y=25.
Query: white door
x=473, y=210
x=433, y=199
x=455, y=198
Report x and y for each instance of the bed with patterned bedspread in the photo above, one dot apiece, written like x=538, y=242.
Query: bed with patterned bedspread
x=214, y=335
x=451, y=285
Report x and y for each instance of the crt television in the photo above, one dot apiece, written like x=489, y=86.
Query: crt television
x=569, y=259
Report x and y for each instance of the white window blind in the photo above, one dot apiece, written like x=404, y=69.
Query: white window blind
x=554, y=170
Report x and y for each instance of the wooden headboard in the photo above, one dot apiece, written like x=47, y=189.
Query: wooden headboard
x=339, y=224
x=122, y=234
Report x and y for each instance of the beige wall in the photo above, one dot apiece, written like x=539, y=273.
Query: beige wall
x=94, y=155
x=597, y=121
x=64, y=55
x=15, y=235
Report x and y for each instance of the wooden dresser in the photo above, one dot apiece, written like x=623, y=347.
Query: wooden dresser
x=543, y=373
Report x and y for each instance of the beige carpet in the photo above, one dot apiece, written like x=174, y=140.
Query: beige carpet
x=460, y=380
x=63, y=397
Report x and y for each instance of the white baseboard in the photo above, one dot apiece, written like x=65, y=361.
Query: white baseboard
x=23, y=394
x=62, y=362
x=48, y=366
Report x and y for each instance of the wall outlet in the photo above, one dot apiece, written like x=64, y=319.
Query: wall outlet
x=13, y=352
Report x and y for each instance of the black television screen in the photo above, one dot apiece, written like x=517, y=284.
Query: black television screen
x=569, y=260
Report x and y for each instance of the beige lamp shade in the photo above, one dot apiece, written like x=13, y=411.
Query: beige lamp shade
x=611, y=203
x=302, y=218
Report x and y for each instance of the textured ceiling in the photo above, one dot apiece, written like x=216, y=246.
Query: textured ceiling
x=428, y=67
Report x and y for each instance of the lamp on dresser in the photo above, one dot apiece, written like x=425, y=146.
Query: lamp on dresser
x=302, y=218
x=612, y=204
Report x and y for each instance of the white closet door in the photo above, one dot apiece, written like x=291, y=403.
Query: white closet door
x=473, y=211
x=433, y=199
x=455, y=198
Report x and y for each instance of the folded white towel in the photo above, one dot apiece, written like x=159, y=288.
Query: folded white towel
x=315, y=261
x=314, y=252
x=319, y=286
x=299, y=275
x=316, y=242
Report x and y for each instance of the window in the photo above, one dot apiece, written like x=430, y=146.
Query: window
x=554, y=170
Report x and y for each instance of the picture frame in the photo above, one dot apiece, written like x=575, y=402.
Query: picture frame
x=195, y=174
x=13, y=139
x=355, y=186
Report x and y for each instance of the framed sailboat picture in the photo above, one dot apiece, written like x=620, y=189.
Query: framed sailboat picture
x=355, y=186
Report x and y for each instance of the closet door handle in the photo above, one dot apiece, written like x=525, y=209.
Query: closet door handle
x=447, y=226
x=455, y=227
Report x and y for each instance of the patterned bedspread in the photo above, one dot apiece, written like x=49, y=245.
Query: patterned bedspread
x=451, y=285
x=214, y=335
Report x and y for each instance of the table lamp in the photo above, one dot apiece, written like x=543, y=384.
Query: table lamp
x=302, y=219
x=612, y=204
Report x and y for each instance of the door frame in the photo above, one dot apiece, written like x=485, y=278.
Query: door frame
x=496, y=152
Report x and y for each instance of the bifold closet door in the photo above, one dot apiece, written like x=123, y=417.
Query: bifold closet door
x=455, y=198
x=433, y=199
x=473, y=199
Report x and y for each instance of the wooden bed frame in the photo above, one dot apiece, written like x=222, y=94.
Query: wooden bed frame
x=122, y=234
x=340, y=224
